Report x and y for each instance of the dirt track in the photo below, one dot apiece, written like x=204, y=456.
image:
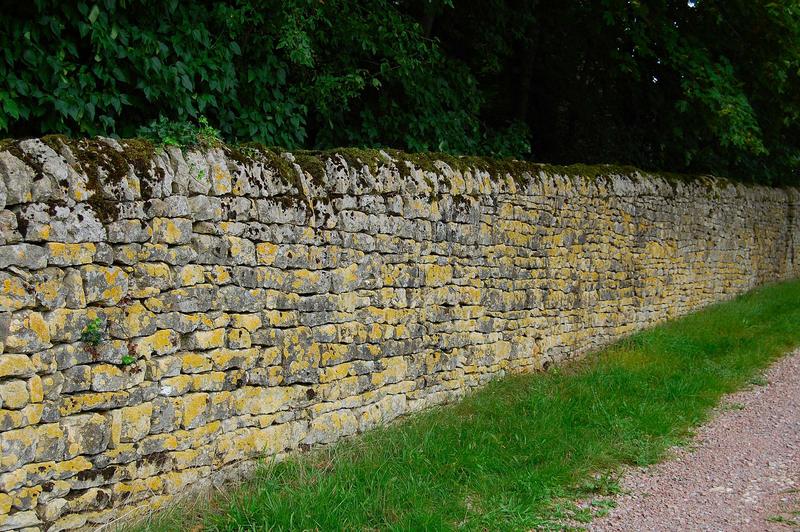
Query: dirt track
x=742, y=472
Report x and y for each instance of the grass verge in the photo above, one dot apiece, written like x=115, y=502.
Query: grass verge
x=513, y=455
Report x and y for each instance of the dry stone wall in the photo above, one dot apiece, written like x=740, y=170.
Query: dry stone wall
x=166, y=315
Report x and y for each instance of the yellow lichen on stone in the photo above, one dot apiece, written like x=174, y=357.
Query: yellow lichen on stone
x=194, y=409
x=13, y=294
x=71, y=254
x=304, y=308
x=191, y=274
x=15, y=365
x=14, y=394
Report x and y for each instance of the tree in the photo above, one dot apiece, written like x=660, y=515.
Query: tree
x=697, y=85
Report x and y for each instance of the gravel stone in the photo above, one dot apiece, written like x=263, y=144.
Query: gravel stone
x=743, y=469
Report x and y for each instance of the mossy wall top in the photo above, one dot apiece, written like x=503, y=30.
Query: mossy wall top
x=167, y=315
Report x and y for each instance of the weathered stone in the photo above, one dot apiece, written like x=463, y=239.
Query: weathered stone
x=19, y=520
x=238, y=339
x=17, y=448
x=151, y=278
x=172, y=230
x=195, y=410
x=15, y=293
x=331, y=426
x=259, y=401
x=52, y=169
x=77, y=379
x=242, y=313
x=165, y=417
x=67, y=325
x=171, y=207
x=55, y=288
x=51, y=443
x=14, y=394
x=197, y=298
x=163, y=342
x=301, y=357
x=27, y=333
x=133, y=321
x=110, y=378
x=205, y=208
x=89, y=401
x=130, y=424
x=17, y=179
x=23, y=255
x=15, y=366
x=104, y=284
x=104, y=254
x=175, y=386
x=127, y=231
x=241, y=251
x=61, y=223
x=8, y=228
x=205, y=339
x=86, y=434
x=36, y=389
x=65, y=254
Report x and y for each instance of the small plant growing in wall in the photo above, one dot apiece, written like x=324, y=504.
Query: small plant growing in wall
x=92, y=335
x=129, y=359
x=198, y=174
x=182, y=133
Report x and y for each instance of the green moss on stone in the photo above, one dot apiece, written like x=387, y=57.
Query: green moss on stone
x=38, y=170
x=254, y=152
x=93, y=154
x=313, y=164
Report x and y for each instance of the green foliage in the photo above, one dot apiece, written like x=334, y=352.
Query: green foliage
x=301, y=73
x=514, y=455
x=127, y=360
x=166, y=132
x=94, y=332
x=707, y=86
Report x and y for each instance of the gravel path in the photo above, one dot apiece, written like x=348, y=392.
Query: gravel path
x=743, y=473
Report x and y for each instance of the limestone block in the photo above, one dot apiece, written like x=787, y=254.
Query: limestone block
x=77, y=379
x=195, y=410
x=23, y=255
x=104, y=284
x=110, y=378
x=27, y=333
x=132, y=321
x=172, y=230
x=17, y=179
x=15, y=366
x=170, y=207
x=51, y=443
x=86, y=434
x=127, y=231
x=330, y=427
x=70, y=254
x=130, y=424
x=19, y=520
x=259, y=401
x=165, y=416
x=15, y=293
x=17, y=448
x=79, y=223
x=14, y=394
x=8, y=228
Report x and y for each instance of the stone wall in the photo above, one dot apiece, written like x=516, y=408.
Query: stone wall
x=166, y=315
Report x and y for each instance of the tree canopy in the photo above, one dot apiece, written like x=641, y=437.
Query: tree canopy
x=697, y=86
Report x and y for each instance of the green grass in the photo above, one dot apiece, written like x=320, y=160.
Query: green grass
x=516, y=454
